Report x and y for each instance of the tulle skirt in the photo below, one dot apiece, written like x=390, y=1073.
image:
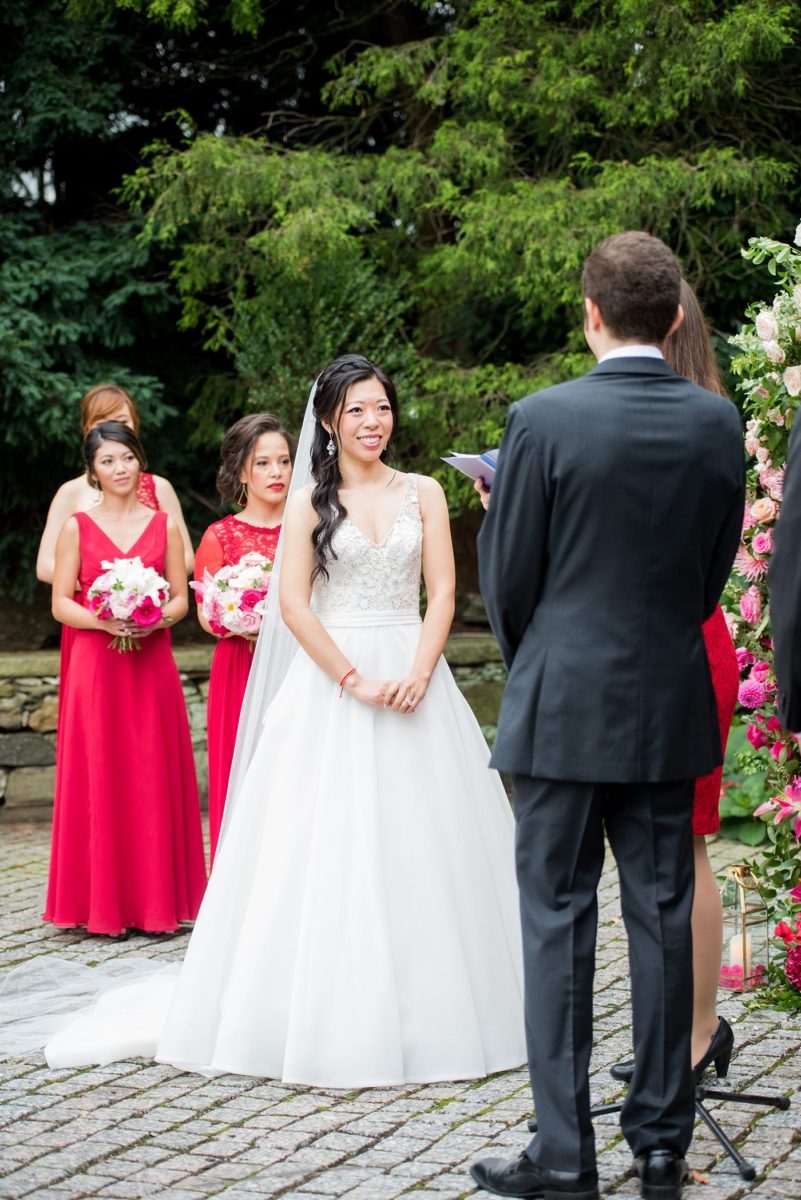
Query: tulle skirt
x=361, y=923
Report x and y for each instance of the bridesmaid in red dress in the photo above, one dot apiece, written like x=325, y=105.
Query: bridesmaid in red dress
x=106, y=402
x=257, y=455
x=127, y=849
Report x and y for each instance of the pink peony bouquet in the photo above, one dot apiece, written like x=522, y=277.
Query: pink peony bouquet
x=128, y=591
x=232, y=601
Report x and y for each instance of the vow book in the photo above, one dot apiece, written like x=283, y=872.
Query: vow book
x=475, y=465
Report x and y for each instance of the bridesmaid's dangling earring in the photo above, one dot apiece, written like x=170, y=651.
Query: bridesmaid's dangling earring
x=242, y=498
x=331, y=448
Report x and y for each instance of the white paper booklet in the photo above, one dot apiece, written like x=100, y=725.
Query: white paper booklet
x=474, y=465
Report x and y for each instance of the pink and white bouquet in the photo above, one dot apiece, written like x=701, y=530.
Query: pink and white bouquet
x=232, y=601
x=128, y=591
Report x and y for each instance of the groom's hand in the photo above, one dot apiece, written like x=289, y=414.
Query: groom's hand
x=483, y=492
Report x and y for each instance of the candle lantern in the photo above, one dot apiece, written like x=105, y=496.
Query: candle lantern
x=746, y=935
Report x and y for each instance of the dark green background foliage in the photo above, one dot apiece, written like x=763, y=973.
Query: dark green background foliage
x=207, y=201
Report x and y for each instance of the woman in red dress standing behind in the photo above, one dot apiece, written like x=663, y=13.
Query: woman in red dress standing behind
x=127, y=848
x=257, y=455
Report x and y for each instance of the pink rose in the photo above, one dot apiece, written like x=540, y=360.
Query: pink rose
x=731, y=624
x=763, y=509
x=792, y=380
x=751, y=694
x=756, y=737
x=751, y=606
x=777, y=750
x=767, y=326
x=773, y=482
x=773, y=724
x=248, y=622
x=146, y=613
x=762, y=543
x=774, y=352
x=760, y=671
x=744, y=657
x=249, y=599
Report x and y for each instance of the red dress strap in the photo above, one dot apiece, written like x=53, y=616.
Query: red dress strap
x=146, y=491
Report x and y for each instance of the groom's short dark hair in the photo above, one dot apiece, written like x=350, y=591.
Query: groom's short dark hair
x=635, y=280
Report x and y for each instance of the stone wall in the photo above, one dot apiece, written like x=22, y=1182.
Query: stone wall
x=29, y=710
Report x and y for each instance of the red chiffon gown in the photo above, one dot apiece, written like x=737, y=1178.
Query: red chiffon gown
x=127, y=847
x=145, y=494
x=223, y=544
x=725, y=681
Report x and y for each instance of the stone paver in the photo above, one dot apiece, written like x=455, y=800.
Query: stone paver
x=136, y=1129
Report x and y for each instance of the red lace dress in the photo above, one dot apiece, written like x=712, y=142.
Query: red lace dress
x=127, y=846
x=223, y=544
x=725, y=680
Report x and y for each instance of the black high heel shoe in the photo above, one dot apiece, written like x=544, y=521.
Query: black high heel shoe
x=719, y=1052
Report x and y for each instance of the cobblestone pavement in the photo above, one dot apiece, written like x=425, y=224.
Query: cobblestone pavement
x=135, y=1129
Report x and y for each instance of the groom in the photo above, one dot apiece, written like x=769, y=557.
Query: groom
x=615, y=515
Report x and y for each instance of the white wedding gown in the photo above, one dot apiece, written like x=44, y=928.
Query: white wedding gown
x=361, y=923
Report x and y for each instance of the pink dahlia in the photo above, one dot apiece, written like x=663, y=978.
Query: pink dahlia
x=751, y=694
x=792, y=967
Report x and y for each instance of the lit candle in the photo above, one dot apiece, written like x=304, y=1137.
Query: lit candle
x=736, y=952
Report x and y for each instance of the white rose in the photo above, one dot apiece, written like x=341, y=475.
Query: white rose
x=792, y=380
x=797, y=238
x=767, y=326
x=774, y=352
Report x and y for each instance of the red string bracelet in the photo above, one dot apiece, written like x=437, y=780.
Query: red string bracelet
x=347, y=675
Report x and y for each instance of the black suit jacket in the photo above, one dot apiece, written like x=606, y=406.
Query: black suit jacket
x=615, y=515
x=784, y=578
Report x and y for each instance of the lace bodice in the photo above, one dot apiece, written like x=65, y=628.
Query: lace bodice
x=228, y=540
x=368, y=576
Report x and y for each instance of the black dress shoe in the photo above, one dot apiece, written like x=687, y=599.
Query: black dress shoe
x=521, y=1177
x=719, y=1052
x=662, y=1174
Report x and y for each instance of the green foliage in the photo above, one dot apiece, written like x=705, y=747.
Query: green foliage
x=419, y=181
x=71, y=310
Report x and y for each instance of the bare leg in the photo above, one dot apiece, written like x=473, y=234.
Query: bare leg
x=707, y=925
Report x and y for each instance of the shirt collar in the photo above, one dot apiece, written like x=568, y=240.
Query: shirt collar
x=632, y=351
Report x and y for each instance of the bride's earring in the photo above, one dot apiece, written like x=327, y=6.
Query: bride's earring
x=242, y=498
x=331, y=447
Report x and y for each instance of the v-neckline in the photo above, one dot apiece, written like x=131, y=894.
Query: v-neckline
x=387, y=535
x=111, y=542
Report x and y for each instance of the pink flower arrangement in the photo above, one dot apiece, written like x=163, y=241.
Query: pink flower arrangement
x=128, y=591
x=232, y=601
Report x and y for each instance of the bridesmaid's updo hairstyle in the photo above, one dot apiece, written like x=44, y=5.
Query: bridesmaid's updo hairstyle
x=110, y=431
x=329, y=399
x=238, y=446
x=102, y=402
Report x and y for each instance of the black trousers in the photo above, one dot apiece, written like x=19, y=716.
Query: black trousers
x=559, y=853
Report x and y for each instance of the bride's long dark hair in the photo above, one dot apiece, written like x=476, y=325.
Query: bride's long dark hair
x=329, y=399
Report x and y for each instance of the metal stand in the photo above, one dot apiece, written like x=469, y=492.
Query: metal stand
x=747, y=1171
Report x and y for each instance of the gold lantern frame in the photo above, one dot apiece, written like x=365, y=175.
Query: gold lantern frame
x=745, y=909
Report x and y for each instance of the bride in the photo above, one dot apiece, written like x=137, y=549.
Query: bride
x=360, y=926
